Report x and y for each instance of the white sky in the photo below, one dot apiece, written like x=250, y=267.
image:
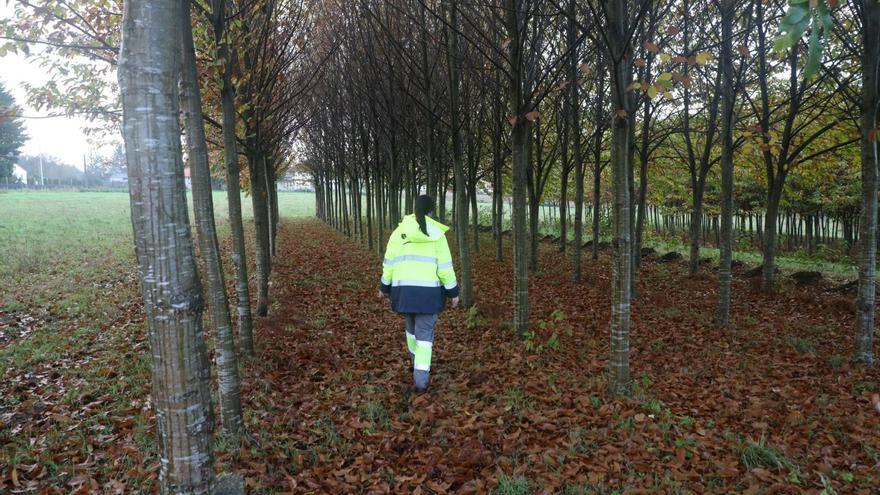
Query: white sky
x=61, y=137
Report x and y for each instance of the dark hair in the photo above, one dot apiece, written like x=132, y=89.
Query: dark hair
x=424, y=205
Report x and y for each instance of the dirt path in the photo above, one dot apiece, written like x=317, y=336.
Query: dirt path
x=763, y=406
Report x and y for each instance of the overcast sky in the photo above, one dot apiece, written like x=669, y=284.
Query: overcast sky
x=61, y=137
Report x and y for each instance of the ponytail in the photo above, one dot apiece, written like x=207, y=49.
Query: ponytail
x=424, y=205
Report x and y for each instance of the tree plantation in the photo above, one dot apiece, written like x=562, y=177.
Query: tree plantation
x=545, y=246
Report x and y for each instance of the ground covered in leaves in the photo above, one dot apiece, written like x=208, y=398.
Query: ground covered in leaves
x=771, y=405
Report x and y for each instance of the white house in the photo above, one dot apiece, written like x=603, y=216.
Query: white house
x=19, y=174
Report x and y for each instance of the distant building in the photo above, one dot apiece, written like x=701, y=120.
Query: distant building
x=119, y=179
x=19, y=174
x=296, y=181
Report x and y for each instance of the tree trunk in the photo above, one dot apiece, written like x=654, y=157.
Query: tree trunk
x=575, y=130
x=728, y=100
x=870, y=13
x=169, y=280
x=643, y=191
x=563, y=202
x=272, y=203
x=229, y=384
x=259, y=199
x=770, y=238
x=498, y=187
x=475, y=214
x=461, y=205
x=233, y=189
x=621, y=295
x=534, y=202
x=696, y=224
x=519, y=153
x=519, y=150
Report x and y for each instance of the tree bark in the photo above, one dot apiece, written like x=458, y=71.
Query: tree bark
x=728, y=100
x=461, y=204
x=768, y=275
x=621, y=295
x=148, y=74
x=259, y=200
x=233, y=186
x=577, y=156
x=870, y=13
x=519, y=152
x=228, y=382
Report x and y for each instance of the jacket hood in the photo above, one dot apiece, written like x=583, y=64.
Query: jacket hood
x=410, y=226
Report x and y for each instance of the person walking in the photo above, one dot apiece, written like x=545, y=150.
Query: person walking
x=418, y=278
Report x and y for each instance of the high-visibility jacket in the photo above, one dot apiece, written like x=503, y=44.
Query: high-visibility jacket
x=417, y=271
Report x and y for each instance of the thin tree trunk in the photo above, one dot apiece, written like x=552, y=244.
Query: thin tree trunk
x=228, y=382
x=519, y=152
x=575, y=129
x=621, y=295
x=261, y=226
x=728, y=100
x=696, y=224
x=475, y=213
x=233, y=187
x=770, y=239
x=461, y=205
x=870, y=12
x=169, y=280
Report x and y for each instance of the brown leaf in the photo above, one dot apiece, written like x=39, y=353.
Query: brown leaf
x=728, y=472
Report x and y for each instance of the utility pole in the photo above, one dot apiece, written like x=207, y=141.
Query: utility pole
x=42, y=177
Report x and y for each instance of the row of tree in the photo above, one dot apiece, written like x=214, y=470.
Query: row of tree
x=235, y=73
x=519, y=95
x=238, y=67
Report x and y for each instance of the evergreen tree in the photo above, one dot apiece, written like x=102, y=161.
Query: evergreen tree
x=12, y=133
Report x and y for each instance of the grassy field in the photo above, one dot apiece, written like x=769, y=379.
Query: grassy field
x=54, y=241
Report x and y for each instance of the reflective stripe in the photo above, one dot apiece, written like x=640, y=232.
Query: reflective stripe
x=423, y=353
x=451, y=285
x=385, y=281
x=415, y=283
x=411, y=342
x=443, y=266
x=410, y=257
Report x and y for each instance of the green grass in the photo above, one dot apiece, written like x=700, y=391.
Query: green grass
x=761, y=455
x=56, y=242
x=784, y=261
x=802, y=345
x=512, y=485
